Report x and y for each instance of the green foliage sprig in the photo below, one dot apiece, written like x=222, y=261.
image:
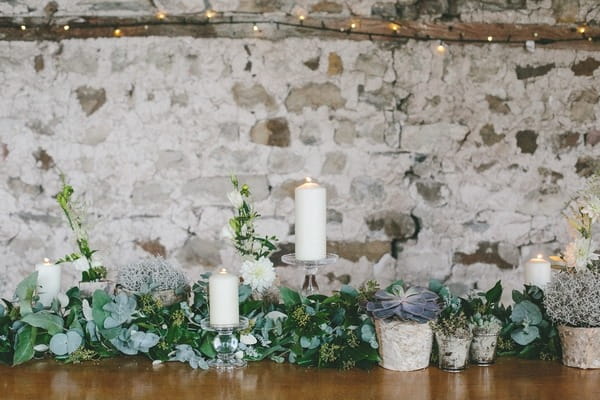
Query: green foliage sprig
x=527, y=330
x=93, y=270
x=245, y=239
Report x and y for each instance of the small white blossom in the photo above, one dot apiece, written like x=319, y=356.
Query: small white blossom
x=592, y=208
x=235, y=198
x=81, y=264
x=580, y=253
x=248, y=339
x=239, y=355
x=259, y=274
x=87, y=310
x=275, y=315
x=40, y=348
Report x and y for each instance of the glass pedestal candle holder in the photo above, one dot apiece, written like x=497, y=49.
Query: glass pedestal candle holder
x=311, y=267
x=225, y=344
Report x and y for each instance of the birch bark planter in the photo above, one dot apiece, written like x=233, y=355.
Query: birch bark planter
x=87, y=289
x=453, y=352
x=483, y=346
x=404, y=345
x=166, y=297
x=580, y=347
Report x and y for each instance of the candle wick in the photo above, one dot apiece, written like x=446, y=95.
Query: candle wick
x=308, y=179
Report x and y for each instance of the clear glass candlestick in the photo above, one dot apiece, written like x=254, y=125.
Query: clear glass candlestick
x=225, y=344
x=311, y=267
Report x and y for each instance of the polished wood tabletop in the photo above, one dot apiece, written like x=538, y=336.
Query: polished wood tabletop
x=137, y=378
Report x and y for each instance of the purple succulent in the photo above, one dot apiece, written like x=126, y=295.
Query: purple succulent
x=415, y=304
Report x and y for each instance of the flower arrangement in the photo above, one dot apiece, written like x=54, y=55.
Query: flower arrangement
x=257, y=270
x=484, y=310
x=452, y=320
x=85, y=260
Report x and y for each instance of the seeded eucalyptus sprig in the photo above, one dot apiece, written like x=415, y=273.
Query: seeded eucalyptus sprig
x=245, y=239
x=93, y=270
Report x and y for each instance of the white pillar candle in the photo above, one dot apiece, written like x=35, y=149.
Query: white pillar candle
x=537, y=272
x=48, y=283
x=223, y=303
x=311, y=221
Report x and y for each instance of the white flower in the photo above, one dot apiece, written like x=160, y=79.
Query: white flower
x=235, y=198
x=81, y=264
x=40, y=348
x=259, y=274
x=227, y=232
x=580, y=253
x=87, y=310
x=239, y=355
x=248, y=339
x=592, y=208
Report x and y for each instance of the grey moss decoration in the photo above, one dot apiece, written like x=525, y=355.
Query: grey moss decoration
x=151, y=274
x=573, y=299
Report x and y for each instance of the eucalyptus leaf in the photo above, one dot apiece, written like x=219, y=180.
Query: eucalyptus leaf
x=526, y=312
x=24, y=292
x=65, y=343
x=524, y=336
x=45, y=320
x=99, y=299
x=120, y=310
x=24, y=342
x=349, y=291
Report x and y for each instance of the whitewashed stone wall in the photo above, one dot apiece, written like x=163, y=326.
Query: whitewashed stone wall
x=455, y=167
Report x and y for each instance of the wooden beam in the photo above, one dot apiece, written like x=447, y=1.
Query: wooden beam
x=276, y=28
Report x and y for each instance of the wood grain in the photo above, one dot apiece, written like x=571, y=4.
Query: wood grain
x=280, y=27
x=136, y=378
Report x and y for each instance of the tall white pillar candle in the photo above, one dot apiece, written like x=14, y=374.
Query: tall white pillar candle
x=538, y=272
x=311, y=221
x=223, y=303
x=48, y=284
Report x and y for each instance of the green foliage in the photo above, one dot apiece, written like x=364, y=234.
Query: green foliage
x=25, y=291
x=245, y=239
x=484, y=310
x=527, y=330
x=73, y=212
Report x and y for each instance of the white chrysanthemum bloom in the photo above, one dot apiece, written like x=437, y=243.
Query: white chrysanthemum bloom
x=259, y=274
x=592, y=208
x=235, y=198
x=580, y=253
x=81, y=264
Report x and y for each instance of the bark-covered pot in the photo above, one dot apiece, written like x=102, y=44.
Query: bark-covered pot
x=453, y=351
x=580, y=346
x=404, y=345
x=483, y=346
x=166, y=297
x=87, y=289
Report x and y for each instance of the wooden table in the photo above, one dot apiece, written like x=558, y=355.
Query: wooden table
x=136, y=378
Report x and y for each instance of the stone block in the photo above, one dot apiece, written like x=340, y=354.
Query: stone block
x=393, y=223
x=585, y=67
x=197, y=251
x=90, y=99
x=335, y=163
x=335, y=66
x=366, y=189
x=431, y=137
x=284, y=162
x=527, y=141
x=251, y=96
x=315, y=95
x=271, y=132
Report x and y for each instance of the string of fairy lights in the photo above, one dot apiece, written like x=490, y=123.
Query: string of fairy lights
x=389, y=30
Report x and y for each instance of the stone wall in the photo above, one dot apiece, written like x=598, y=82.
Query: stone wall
x=453, y=166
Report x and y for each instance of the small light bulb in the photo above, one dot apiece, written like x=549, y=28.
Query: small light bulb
x=117, y=32
x=66, y=27
x=255, y=28
x=441, y=48
x=535, y=34
x=490, y=38
x=394, y=27
x=146, y=27
x=353, y=25
x=308, y=179
x=23, y=27
x=581, y=29
x=210, y=14
x=539, y=256
x=301, y=18
x=161, y=15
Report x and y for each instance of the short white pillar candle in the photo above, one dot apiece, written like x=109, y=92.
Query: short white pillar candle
x=311, y=221
x=223, y=303
x=538, y=272
x=48, y=283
